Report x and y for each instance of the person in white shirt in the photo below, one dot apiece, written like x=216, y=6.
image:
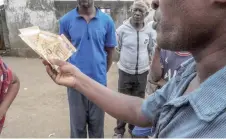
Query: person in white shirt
x=134, y=45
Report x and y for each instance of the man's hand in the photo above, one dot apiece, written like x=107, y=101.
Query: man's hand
x=126, y=108
x=157, y=48
x=110, y=51
x=66, y=75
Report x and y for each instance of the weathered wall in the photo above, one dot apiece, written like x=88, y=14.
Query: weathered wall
x=45, y=14
x=119, y=9
x=26, y=13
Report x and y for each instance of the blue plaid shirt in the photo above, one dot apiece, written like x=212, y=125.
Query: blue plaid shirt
x=200, y=114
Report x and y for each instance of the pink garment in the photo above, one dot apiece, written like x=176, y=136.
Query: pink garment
x=5, y=80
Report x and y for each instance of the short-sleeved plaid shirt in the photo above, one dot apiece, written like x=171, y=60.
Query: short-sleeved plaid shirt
x=200, y=114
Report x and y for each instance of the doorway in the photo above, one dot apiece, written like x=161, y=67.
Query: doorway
x=106, y=10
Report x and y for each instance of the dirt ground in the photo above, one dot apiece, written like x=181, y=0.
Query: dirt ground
x=41, y=108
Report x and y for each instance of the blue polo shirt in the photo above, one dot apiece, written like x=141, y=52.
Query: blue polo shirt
x=90, y=40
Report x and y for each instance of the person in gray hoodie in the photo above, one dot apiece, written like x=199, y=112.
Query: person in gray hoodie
x=135, y=46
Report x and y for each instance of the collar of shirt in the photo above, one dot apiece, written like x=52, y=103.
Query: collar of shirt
x=209, y=100
x=77, y=15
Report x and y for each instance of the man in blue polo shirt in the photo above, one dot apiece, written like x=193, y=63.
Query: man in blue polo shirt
x=92, y=32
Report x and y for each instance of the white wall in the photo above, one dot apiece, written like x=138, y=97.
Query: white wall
x=27, y=13
x=1, y=2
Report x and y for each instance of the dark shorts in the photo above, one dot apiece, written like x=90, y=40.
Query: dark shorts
x=133, y=85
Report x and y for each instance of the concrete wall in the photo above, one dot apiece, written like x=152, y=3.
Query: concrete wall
x=119, y=9
x=45, y=14
x=26, y=13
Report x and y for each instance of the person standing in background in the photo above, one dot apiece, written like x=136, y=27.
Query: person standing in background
x=166, y=64
x=134, y=45
x=92, y=32
x=9, y=88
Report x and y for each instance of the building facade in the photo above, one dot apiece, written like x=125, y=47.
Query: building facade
x=45, y=14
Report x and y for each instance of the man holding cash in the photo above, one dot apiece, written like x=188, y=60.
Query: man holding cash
x=191, y=105
x=92, y=32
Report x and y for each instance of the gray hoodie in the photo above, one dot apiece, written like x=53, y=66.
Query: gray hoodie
x=134, y=47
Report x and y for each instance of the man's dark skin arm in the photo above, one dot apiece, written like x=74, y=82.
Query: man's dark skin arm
x=110, y=51
x=130, y=107
x=156, y=70
x=123, y=107
x=162, y=82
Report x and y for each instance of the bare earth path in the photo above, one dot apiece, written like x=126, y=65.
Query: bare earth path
x=41, y=108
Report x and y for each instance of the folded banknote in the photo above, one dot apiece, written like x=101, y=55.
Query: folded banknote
x=46, y=44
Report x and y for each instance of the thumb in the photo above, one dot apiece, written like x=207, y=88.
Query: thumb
x=57, y=62
x=68, y=69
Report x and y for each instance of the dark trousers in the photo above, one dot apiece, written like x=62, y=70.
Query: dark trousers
x=133, y=85
x=82, y=113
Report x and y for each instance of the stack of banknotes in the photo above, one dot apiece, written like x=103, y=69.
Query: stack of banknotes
x=46, y=44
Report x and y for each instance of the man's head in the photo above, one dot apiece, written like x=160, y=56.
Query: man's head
x=85, y=3
x=139, y=11
x=189, y=25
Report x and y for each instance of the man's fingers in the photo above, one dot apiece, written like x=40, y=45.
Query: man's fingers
x=57, y=62
x=51, y=72
x=45, y=62
x=54, y=62
x=67, y=68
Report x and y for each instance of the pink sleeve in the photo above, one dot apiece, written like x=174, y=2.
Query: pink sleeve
x=7, y=77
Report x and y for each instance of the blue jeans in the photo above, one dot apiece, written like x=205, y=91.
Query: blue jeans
x=142, y=132
x=82, y=113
